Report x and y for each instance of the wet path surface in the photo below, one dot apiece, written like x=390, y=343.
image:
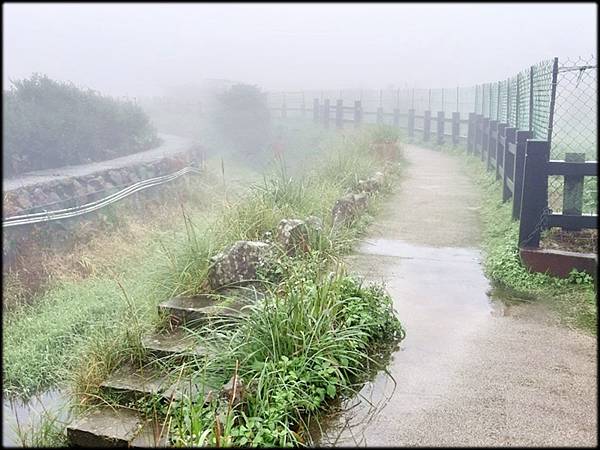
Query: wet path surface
x=470, y=371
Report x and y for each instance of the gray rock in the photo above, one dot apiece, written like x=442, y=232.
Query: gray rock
x=292, y=235
x=369, y=186
x=23, y=199
x=237, y=264
x=315, y=223
x=379, y=177
x=348, y=207
x=115, y=177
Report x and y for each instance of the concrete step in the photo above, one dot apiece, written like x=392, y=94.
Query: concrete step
x=173, y=343
x=197, y=310
x=104, y=426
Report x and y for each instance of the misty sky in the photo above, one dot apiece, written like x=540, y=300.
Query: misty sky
x=139, y=49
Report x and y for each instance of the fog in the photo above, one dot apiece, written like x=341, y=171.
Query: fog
x=143, y=49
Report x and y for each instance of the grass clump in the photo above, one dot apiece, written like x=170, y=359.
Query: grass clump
x=305, y=344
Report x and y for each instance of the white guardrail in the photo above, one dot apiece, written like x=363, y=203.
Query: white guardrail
x=47, y=216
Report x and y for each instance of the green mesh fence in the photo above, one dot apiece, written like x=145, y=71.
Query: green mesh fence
x=502, y=101
x=522, y=120
x=512, y=102
x=542, y=90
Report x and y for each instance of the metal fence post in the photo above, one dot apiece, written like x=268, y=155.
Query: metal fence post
x=531, y=100
x=316, y=110
x=357, y=113
x=411, y=122
x=456, y=128
x=440, y=127
x=552, y=100
x=339, y=113
x=426, y=125
x=521, y=140
x=534, y=199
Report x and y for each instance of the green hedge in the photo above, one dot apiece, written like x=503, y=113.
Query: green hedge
x=49, y=124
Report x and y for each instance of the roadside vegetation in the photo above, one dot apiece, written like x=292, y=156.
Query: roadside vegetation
x=339, y=326
x=49, y=124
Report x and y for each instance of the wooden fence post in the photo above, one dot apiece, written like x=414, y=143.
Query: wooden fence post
x=471, y=134
x=440, y=127
x=316, y=110
x=499, y=151
x=411, y=122
x=326, y=111
x=357, y=113
x=339, y=113
x=426, y=125
x=397, y=117
x=478, y=133
x=534, y=199
x=521, y=140
x=491, y=147
x=455, y=128
x=508, y=166
x=379, y=115
x=573, y=190
x=485, y=135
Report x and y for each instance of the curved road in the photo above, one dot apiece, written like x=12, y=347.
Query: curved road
x=471, y=372
x=171, y=145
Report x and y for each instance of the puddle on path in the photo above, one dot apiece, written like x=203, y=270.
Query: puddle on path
x=16, y=413
x=441, y=297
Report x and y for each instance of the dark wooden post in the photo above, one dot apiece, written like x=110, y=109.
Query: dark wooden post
x=455, y=128
x=478, y=133
x=508, y=166
x=521, y=140
x=499, y=151
x=316, y=110
x=339, y=113
x=485, y=136
x=397, y=117
x=326, y=110
x=440, y=127
x=573, y=190
x=534, y=198
x=379, y=115
x=471, y=134
x=411, y=122
x=491, y=147
x=426, y=125
x=357, y=113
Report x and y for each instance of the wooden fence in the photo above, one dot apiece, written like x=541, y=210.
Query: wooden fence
x=522, y=164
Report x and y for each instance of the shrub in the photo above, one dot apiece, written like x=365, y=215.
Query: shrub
x=242, y=118
x=49, y=124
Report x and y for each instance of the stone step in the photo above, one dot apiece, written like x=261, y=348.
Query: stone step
x=173, y=343
x=197, y=310
x=105, y=426
x=131, y=384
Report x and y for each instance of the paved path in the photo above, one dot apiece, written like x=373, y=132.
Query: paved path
x=470, y=371
x=171, y=145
